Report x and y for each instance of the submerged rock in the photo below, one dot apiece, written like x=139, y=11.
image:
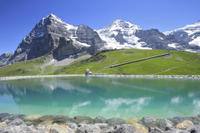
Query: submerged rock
x=61, y=119
x=100, y=119
x=83, y=119
x=47, y=119
x=32, y=117
x=115, y=121
x=149, y=121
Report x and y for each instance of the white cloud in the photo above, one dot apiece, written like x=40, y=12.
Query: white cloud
x=77, y=106
x=112, y=105
x=191, y=94
x=196, y=103
x=176, y=100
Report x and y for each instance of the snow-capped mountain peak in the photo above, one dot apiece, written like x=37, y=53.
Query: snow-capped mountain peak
x=120, y=34
x=189, y=29
x=56, y=20
x=53, y=17
x=52, y=24
x=122, y=26
x=189, y=34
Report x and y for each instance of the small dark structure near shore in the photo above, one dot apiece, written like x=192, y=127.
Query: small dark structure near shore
x=88, y=72
x=139, y=60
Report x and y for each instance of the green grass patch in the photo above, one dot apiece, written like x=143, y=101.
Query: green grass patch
x=178, y=63
x=30, y=67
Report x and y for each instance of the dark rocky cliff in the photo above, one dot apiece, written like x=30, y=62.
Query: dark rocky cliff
x=53, y=36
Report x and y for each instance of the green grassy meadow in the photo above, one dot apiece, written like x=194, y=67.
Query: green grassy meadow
x=178, y=63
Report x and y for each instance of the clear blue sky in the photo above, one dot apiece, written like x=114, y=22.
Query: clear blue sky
x=18, y=17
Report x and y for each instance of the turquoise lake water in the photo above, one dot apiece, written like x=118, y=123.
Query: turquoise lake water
x=101, y=96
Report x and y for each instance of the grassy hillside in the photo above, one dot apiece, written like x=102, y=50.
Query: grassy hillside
x=178, y=63
x=30, y=67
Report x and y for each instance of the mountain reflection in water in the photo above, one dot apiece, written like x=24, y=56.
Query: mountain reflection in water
x=101, y=96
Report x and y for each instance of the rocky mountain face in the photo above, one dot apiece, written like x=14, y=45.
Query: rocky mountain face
x=52, y=36
x=4, y=58
x=153, y=39
x=187, y=37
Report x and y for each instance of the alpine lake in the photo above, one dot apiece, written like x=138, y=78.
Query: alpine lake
x=101, y=96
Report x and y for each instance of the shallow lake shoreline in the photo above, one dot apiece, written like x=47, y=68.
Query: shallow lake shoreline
x=197, y=77
x=84, y=124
